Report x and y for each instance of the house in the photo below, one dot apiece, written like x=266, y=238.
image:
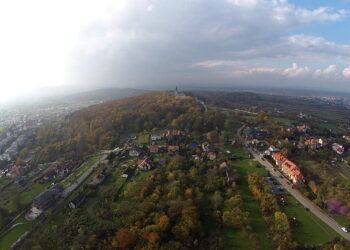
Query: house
x=205, y=147
x=314, y=143
x=153, y=148
x=77, y=201
x=273, y=149
x=173, y=134
x=99, y=178
x=173, y=149
x=47, y=198
x=289, y=168
x=135, y=151
x=144, y=164
x=211, y=156
x=191, y=147
x=339, y=149
x=127, y=172
x=303, y=128
x=279, y=159
x=156, y=137
x=162, y=161
x=346, y=137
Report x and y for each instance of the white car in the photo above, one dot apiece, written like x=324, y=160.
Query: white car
x=344, y=229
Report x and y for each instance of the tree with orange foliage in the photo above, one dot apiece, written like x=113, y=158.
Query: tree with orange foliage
x=125, y=238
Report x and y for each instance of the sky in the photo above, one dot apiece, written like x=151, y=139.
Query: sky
x=159, y=44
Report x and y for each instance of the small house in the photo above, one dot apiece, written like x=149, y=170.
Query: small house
x=173, y=149
x=211, y=156
x=153, y=148
x=144, y=164
x=127, y=172
x=205, y=147
x=156, y=137
x=77, y=201
x=98, y=179
x=135, y=151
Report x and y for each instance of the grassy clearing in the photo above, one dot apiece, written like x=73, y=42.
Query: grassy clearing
x=11, y=236
x=237, y=151
x=77, y=172
x=34, y=190
x=259, y=228
x=331, y=126
x=282, y=120
x=310, y=229
x=143, y=139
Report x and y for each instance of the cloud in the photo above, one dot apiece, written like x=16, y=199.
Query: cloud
x=296, y=71
x=346, y=72
x=201, y=40
x=330, y=72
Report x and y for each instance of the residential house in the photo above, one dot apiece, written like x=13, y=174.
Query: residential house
x=279, y=159
x=205, y=147
x=346, y=137
x=173, y=134
x=303, y=128
x=144, y=164
x=135, y=151
x=211, y=156
x=98, y=179
x=173, y=149
x=156, y=137
x=47, y=198
x=289, y=168
x=314, y=143
x=153, y=148
x=191, y=148
x=77, y=201
x=339, y=149
x=127, y=172
x=162, y=161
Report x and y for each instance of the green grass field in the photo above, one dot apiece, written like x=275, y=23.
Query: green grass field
x=77, y=172
x=143, y=138
x=237, y=151
x=12, y=235
x=282, y=120
x=251, y=205
x=331, y=126
x=310, y=229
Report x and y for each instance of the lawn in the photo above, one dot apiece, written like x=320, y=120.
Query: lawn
x=237, y=151
x=310, y=229
x=79, y=171
x=332, y=126
x=143, y=139
x=11, y=236
x=282, y=120
x=251, y=205
x=34, y=190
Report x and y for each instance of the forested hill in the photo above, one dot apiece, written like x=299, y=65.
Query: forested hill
x=104, y=125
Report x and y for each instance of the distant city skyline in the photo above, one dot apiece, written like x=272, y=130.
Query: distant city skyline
x=160, y=44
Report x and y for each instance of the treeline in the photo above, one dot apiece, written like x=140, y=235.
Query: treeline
x=277, y=221
x=105, y=125
x=183, y=205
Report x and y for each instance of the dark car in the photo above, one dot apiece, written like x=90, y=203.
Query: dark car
x=307, y=209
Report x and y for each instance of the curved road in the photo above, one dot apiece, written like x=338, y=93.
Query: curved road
x=295, y=193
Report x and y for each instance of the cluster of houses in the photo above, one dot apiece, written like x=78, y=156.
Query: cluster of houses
x=59, y=170
x=290, y=169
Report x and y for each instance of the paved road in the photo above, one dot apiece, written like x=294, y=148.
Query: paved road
x=304, y=201
x=297, y=195
x=82, y=178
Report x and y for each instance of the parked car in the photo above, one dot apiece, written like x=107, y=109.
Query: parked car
x=344, y=229
x=287, y=182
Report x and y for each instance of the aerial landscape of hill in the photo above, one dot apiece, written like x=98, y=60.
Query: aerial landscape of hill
x=143, y=124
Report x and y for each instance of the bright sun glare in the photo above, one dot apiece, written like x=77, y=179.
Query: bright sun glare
x=37, y=39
